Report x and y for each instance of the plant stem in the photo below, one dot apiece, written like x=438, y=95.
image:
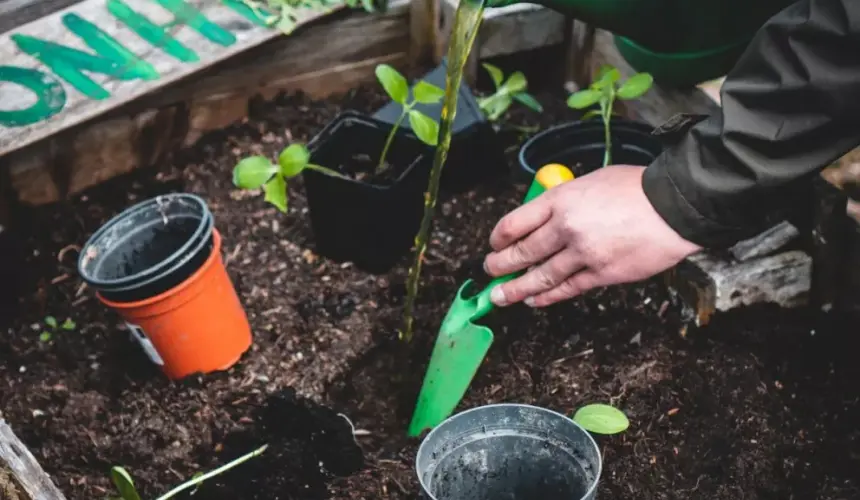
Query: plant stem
x=390, y=139
x=607, y=131
x=197, y=480
x=324, y=170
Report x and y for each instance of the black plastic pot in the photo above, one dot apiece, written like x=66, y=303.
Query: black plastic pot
x=476, y=153
x=372, y=225
x=149, y=248
x=580, y=146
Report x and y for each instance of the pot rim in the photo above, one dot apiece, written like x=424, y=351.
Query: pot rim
x=593, y=443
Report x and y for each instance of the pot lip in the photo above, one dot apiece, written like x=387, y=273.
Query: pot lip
x=327, y=132
x=632, y=125
x=210, y=261
x=202, y=226
x=592, y=487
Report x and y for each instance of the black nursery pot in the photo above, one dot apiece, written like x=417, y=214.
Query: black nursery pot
x=580, y=146
x=476, y=153
x=367, y=223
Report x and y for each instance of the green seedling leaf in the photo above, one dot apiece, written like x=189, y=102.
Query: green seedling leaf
x=603, y=71
x=51, y=321
x=45, y=336
x=495, y=74
x=427, y=93
x=276, y=192
x=601, y=419
x=393, y=82
x=253, y=172
x=635, y=86
x=528, y=101
x=68, y=325
x=583, y=98
x=122, y=480
x=286, y=24
x=499, y=105
x=515, y=83
x=293, y=159
x=424, y=127
x=591, y=114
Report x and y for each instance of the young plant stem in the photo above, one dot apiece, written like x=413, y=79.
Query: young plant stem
x=326, y=171
x=468, y=17
x=390, y=139
x=607, y=131
x=197, y=480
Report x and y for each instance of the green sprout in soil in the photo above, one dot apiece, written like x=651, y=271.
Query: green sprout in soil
x=255, y=172
x=284, y=14
x=127, y=491
x=601, y=419
x=395, y=85
x=507, y=91
x=52, y=327
x=604, y=91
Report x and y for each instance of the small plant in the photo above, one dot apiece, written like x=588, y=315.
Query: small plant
x=604, y=91
x=127, y=491
x=601, y=419
x=507, y=91
x=255, y=172
x=395, y=85
x=52, y=327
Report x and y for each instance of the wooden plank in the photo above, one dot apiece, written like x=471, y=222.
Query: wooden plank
x=26, y=471
x=136, y=67
x=328, y=57
x=14, y=13
x=765, y=243
x=424, y=20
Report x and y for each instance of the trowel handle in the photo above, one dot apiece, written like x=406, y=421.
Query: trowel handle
x=546, y=178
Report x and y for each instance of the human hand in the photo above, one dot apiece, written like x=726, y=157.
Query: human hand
x=594, y=231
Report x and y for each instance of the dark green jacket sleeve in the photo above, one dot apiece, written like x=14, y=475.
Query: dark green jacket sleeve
x=790, y=107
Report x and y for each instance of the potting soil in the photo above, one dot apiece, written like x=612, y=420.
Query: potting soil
x=760, y=405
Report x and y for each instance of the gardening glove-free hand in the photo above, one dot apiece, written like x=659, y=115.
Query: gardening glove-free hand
x=593, y=231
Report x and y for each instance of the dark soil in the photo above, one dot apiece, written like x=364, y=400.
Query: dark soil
x=759, y=405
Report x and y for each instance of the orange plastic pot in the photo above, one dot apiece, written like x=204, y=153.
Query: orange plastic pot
x=198, y=326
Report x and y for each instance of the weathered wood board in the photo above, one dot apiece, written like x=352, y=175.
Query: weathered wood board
x=26, y=472
x=83, y=60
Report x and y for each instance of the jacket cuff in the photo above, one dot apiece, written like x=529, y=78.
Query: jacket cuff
x=679, y=212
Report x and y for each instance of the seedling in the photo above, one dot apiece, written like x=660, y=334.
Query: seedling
x=507, y=91
x=255, y=172
x=127, y=491
x=425, y=128
x=604, y=91
x=52, y=327
x=601, y=419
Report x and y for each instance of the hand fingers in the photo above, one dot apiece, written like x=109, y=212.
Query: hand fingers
x=573, y=286
x=520, y=222
x=537, y=281
x=534, y=248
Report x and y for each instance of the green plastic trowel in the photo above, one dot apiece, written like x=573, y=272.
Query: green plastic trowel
x=462, y=344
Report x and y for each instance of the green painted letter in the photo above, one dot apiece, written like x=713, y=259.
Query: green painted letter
x=252, y=12
x=68, y=63
x=50, y=96
x=186, y=14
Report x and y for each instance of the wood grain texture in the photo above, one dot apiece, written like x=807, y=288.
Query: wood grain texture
x=27, y=472
x=80, y=108
x=327, y=57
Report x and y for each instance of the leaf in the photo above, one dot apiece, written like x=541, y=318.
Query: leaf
x=424, y=127
x=276, y=192
x=68, y=324
x=583, y=99
x=427, y=93
x=393, y=82
x=495, y=73
x=293, y=159
x=635, y=86
x=122, y=480
x=528, y=101
x=45, y=336
x=591, y=114
x=51, y=321
x=516, y=83
x=499, y=106
x=253, y=172
x=601, y=419
x=286, y=24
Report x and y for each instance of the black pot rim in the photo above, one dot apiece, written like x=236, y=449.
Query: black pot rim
x=328, y=131
x=621, y=123
x=135, y=279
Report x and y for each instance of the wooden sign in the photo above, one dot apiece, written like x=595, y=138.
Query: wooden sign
x=76, y=63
